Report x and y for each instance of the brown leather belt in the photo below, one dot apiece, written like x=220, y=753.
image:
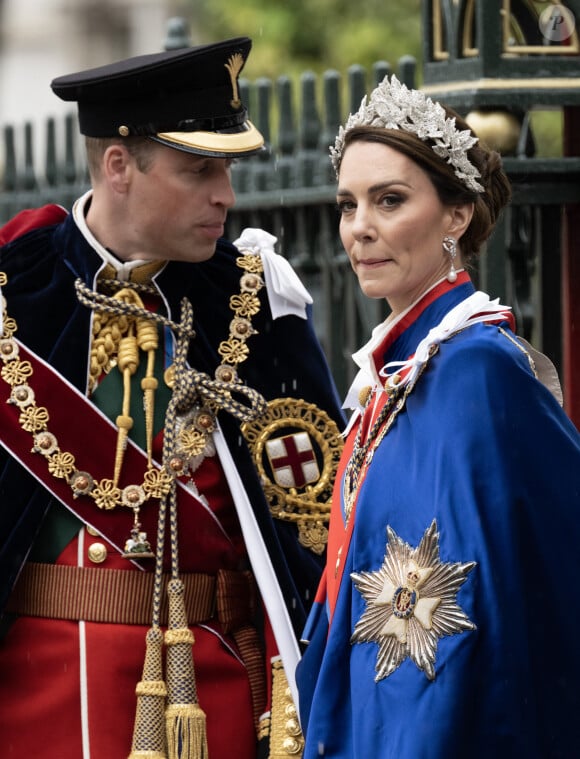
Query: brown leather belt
x=96, y=594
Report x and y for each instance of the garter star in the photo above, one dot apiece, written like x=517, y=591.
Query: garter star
x=410, y=603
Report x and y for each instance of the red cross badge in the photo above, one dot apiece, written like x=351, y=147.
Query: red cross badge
x=293, y=460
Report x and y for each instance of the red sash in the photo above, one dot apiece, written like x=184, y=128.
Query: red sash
x=340, y=534
x=81, y=429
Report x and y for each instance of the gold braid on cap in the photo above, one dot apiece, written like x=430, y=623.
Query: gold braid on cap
x=393, y=106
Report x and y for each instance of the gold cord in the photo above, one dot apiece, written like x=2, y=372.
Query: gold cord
x=363, y=453
x=202, y=395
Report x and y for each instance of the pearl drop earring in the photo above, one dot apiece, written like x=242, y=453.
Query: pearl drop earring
x=450, y=247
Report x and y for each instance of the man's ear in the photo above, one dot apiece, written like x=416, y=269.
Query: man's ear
x=461, y=216
x=117, y=166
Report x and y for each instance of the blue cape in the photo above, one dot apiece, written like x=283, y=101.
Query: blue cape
x=483, y=450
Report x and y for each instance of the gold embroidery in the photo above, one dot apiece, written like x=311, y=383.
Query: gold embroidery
x=234, y=66
x=286, y=738
x=264, y=727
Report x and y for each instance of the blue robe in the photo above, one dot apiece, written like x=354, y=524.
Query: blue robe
x=484, y=456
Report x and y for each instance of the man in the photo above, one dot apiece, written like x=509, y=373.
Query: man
x=170, y=431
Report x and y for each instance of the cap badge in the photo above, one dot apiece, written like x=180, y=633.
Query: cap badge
x=234, y=66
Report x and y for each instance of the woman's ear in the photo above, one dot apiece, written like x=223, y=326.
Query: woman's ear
x=461, y=216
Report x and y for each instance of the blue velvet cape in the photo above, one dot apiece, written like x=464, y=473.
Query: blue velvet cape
x=485, y=450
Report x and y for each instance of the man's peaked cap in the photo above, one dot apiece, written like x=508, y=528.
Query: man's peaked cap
x=187, y=99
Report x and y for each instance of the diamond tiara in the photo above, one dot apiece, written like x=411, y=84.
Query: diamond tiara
x=393, y=106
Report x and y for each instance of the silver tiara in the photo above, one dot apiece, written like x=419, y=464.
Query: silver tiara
x=393, y=106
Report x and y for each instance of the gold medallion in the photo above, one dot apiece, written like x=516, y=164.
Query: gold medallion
x=296, y=448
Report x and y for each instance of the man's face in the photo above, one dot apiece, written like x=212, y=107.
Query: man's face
x=176, y=210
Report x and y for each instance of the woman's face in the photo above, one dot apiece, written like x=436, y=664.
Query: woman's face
x=392, y=224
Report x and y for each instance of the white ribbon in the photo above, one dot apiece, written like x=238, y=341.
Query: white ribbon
x=473, y=310
x=286, y=293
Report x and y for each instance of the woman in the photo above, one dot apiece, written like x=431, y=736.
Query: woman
x=446, y=622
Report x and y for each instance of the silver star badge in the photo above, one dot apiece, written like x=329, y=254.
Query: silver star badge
x=410, y=603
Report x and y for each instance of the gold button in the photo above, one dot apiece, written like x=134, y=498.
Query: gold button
x=92, y=531
x=364, y=394
x=292, y=746
x=169, y=376
x=97, y=553
x=290, y=710
x=292, y=727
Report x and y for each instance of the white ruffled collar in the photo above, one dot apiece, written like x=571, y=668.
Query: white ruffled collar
x=478, y=307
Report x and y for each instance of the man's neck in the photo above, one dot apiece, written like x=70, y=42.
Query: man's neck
x=122, y=268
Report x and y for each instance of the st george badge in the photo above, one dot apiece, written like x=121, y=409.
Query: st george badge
x=292, y=460
x=296, y=448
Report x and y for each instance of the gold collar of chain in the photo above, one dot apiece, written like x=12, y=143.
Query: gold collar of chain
x=363, y=453
x=194, y=428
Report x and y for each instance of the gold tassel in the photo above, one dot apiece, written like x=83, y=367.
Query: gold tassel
x=149, y=730
x=185, y=720
x=186, y=731
x=128, y=360
x=148, y=341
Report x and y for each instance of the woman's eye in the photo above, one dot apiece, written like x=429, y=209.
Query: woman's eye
x=344, y=206
x=392, y=199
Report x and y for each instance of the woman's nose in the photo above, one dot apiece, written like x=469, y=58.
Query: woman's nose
x=363, y=226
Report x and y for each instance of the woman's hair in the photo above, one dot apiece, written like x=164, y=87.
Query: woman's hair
x=141, y=148
x=451, y=190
